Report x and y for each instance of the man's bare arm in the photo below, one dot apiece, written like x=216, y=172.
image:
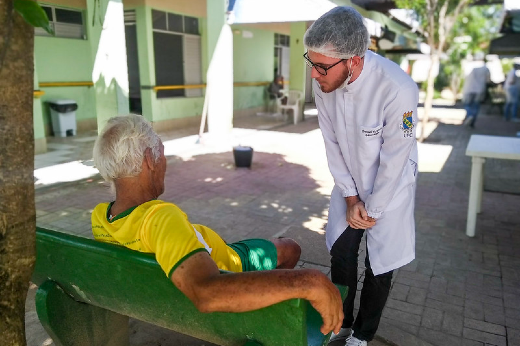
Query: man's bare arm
x=200, y=280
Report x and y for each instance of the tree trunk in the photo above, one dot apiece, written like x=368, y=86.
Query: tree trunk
x=429, y=94
x=17, y=211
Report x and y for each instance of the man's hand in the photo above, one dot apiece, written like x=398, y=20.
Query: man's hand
x=357, y=216
x=330, y=306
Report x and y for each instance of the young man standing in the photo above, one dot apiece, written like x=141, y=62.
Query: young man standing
x=367, y=111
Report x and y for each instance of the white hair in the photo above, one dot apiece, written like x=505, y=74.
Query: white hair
x=120, y=147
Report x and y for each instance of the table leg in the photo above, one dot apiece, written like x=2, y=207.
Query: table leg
x=475, y=194
x=481, y=187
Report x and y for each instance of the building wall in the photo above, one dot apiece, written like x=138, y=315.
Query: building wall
x=71, y=60
x=253, y=55
x=65, y=60
x=194, y=8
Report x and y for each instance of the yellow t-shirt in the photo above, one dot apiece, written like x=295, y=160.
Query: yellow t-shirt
x=162, y=228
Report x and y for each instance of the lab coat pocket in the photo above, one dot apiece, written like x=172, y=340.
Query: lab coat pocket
x=371, y=139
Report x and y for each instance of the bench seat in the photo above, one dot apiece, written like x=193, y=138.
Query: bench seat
x=88, y=289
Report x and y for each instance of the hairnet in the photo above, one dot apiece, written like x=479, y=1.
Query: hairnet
x=340, y=33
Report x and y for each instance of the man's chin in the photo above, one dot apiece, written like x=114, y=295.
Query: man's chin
x=326, y=89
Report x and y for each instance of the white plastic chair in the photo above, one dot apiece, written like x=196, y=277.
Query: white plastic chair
x=294, y=98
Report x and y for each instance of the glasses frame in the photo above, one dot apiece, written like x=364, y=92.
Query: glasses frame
x=317, y=67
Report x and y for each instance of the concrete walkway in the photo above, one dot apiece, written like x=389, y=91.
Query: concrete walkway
x=458, y=291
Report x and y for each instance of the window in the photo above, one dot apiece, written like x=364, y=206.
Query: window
x=281, y=40
x=177, y=53
x=66, y=23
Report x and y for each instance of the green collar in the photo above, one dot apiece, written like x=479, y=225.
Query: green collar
x=120, y=215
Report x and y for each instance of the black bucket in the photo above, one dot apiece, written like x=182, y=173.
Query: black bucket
x=243, y=156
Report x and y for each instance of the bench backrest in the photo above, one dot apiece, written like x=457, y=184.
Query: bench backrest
x=132, y=284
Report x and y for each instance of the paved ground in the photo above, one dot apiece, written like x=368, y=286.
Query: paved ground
x=458, y=291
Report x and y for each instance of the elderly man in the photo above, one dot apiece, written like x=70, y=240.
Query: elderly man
x=130, y=156
x=367, y=111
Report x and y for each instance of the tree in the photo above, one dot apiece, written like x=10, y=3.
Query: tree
x=437, y=18
x=17, y=211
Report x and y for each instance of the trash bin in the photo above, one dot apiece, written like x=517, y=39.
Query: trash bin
x=63, y=116
x=243, y=156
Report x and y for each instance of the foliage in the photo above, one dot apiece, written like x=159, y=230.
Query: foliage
x=33, y=14
x=432, y=14
x=478, y=25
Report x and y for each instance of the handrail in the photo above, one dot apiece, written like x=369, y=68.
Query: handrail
x=38, y=93
x=65, y=84
x=178, y=87
x=154, y=88
x=198, y=86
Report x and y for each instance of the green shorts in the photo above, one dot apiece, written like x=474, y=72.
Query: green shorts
x=256, y=254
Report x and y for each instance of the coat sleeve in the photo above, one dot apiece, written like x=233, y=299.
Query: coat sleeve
x=398, y=142
x=339, y=170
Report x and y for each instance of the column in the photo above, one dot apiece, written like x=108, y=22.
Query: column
x=40, y=141
x=146, y=59
x=219, y=89
x=298, y=70
x=106, y=34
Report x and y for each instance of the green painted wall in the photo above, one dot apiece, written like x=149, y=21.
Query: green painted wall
x=64, y=60
x=39, y=129
x=298, y=69
x=253, y=62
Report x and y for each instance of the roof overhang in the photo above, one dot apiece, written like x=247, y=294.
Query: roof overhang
x=507, y=45
x=277, y=11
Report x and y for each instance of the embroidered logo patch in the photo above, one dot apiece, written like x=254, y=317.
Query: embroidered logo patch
x=407, y=124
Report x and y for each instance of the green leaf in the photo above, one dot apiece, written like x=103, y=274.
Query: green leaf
x=33, y=14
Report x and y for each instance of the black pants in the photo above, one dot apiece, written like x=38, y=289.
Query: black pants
x=344, y=265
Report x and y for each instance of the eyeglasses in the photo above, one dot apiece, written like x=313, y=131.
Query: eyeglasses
x=321, y=70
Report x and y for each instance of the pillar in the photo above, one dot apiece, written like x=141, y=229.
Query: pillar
x=106, y=34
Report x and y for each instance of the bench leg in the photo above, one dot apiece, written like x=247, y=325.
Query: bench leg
x=69, y=322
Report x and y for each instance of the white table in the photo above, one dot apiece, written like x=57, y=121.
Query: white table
x=479, y=148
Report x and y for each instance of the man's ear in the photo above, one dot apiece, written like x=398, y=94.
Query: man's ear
x=356, y=60
x=149, y=159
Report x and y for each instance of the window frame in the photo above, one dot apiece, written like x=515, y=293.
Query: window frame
x=53, y=21
x=183, y=35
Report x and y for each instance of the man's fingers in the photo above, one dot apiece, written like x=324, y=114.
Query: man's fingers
x=364, y=214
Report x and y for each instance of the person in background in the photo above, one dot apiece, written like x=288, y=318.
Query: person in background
x=474, y=91
x=367, y=112
x=275, y=90
x=130, y=156
x=512, y=90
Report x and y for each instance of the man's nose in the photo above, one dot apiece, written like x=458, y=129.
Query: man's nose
x=314, y=73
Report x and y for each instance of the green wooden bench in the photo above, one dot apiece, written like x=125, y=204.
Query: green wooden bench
x=87, y=290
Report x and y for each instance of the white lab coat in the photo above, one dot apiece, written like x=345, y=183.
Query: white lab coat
x=369, y=131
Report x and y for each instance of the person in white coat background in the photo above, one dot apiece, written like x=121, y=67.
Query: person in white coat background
x=474, y=90
x=367, y=112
